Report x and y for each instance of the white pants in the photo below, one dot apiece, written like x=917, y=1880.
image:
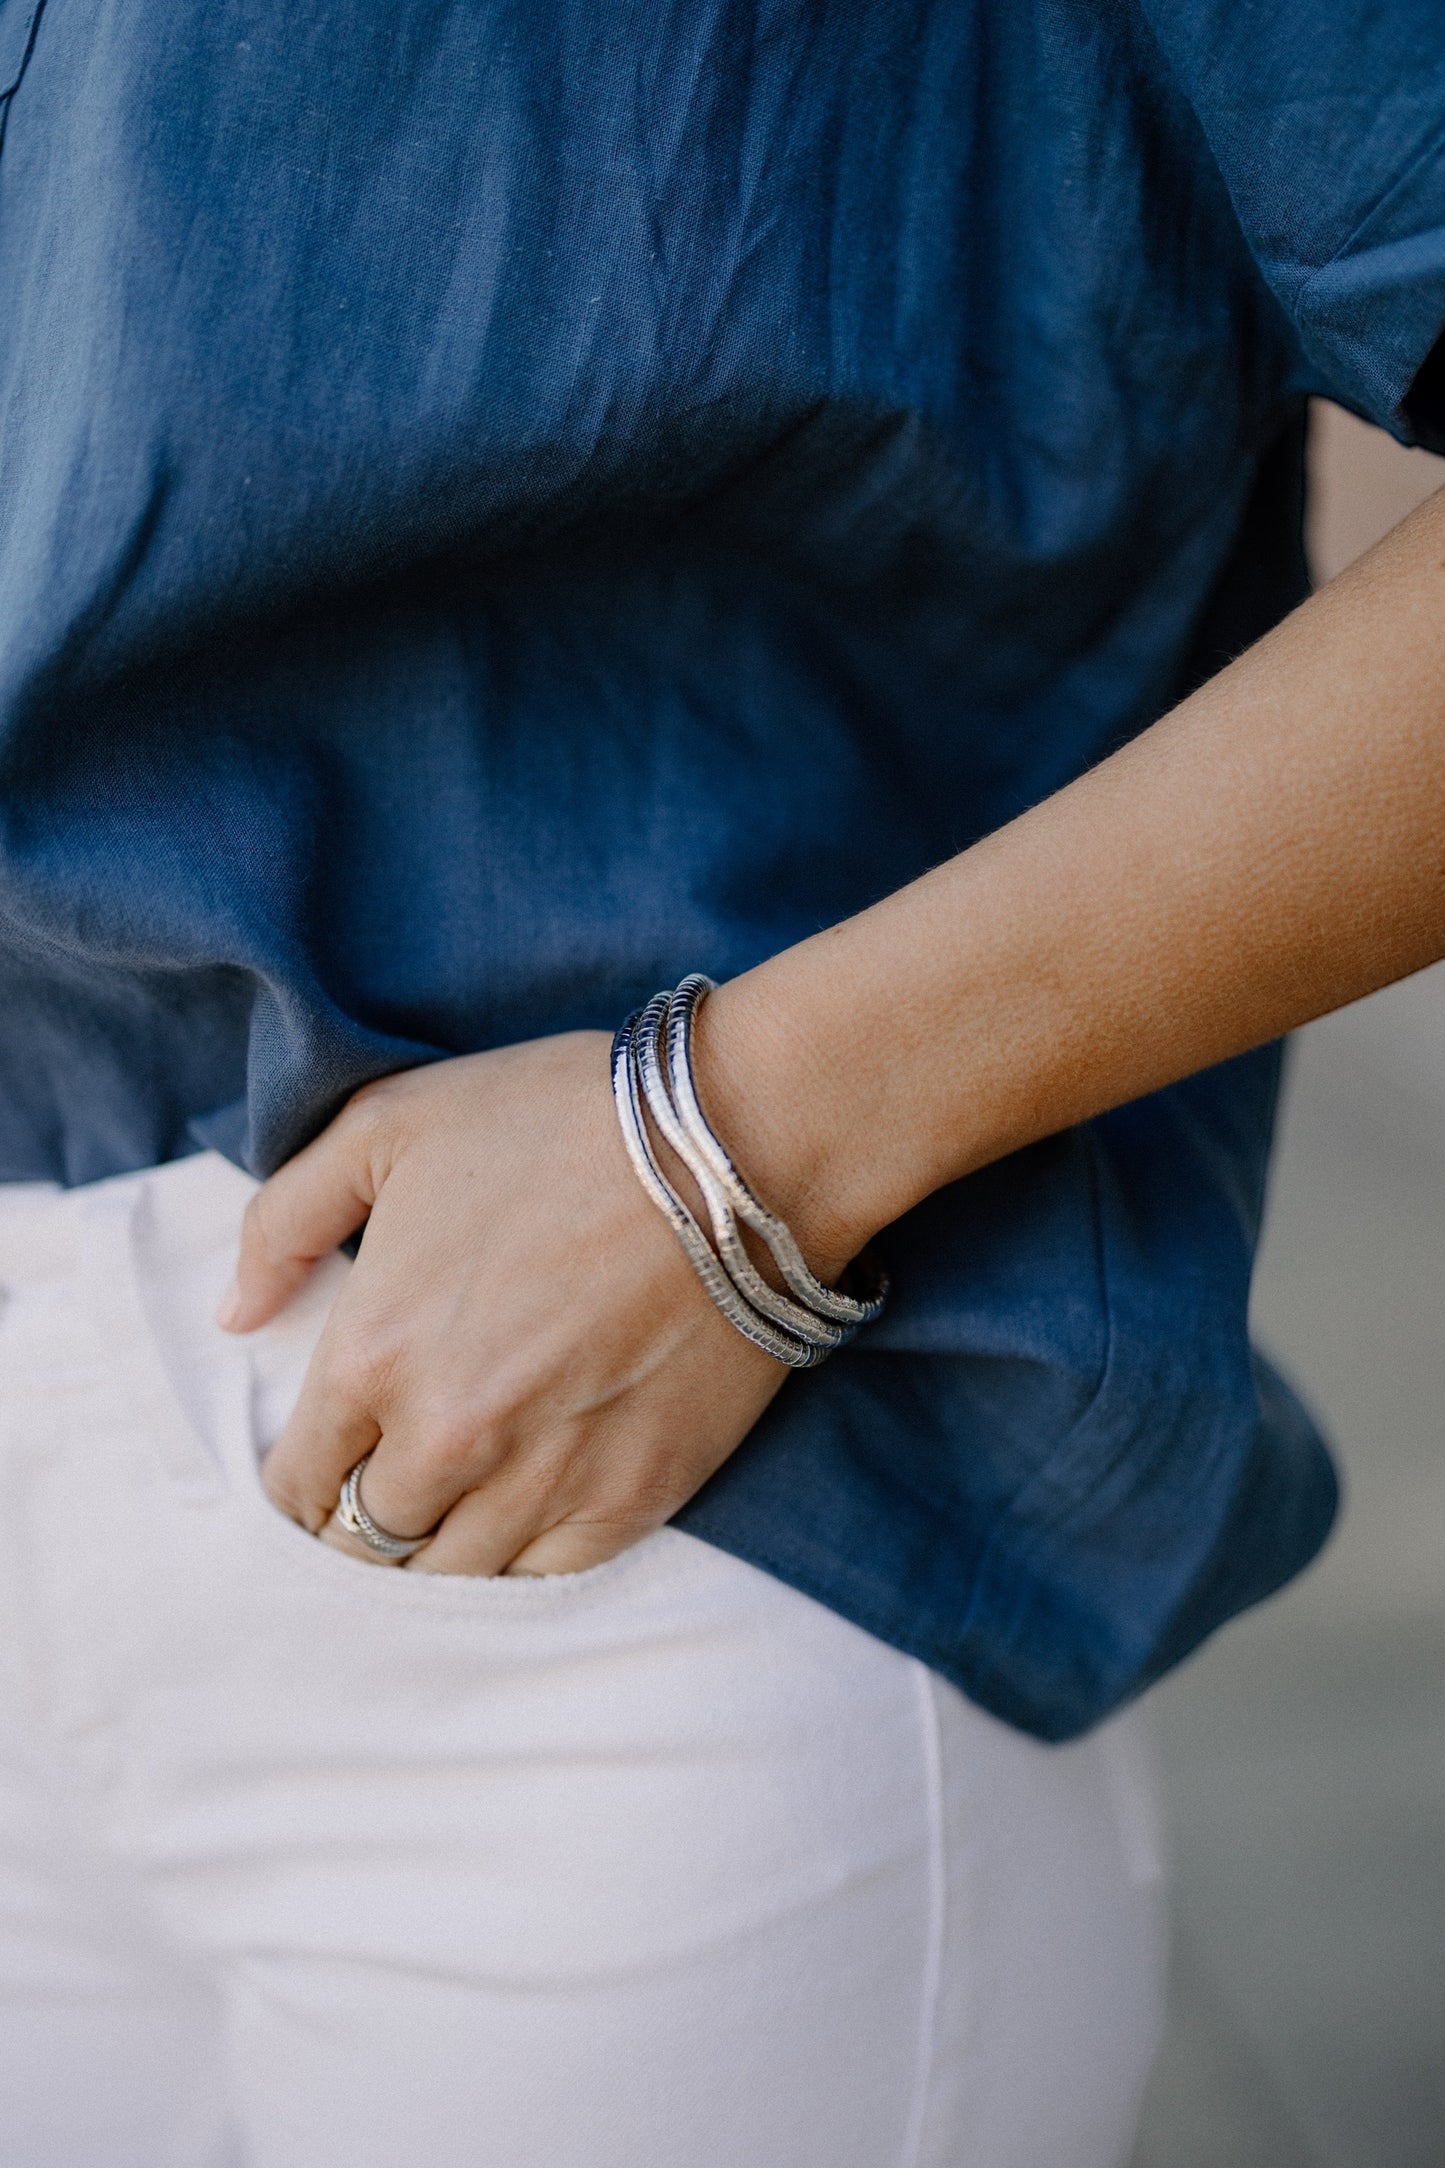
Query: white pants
x=306, y=1862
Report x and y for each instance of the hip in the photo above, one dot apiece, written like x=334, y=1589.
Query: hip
x=664, y=1774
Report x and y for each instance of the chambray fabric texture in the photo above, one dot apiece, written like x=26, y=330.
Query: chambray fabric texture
x=502, y=504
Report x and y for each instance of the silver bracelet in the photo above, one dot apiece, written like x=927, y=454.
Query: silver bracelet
x=652, y=1069
x=627, y=1093
x=796, y=1317
x=825, y=1302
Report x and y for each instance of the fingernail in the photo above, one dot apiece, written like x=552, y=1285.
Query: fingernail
x=228, y=1309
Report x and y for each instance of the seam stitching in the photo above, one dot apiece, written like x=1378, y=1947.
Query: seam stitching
x=932, y=1745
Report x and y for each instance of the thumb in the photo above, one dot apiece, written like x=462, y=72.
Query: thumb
x=299, y=1216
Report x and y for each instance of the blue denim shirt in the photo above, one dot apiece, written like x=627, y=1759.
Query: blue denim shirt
x=504, y=502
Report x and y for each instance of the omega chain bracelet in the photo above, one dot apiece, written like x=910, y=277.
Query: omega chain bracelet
x=652, y=1076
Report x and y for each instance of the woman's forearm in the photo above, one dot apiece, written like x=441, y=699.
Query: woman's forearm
x=1272, y=849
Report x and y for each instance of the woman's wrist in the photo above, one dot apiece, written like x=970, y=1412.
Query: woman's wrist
x=1268, y=851
x=801, y=1106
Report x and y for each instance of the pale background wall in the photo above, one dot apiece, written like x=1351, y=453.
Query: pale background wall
x=1362, y=483
x=1304, y=1750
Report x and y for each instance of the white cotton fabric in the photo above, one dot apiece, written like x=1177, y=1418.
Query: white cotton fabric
x=308, y=1862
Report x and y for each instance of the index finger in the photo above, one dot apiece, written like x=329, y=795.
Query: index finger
x=305, y=1210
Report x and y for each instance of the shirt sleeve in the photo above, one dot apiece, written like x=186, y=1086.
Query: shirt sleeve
x=1326, y=119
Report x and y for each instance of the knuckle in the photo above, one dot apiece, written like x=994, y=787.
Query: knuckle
x=640, y=1497
x=461, y=1442
x=540, y=1491
x=579, y=1489
x=455, y=1451
x=369, y=1116
x=359, y=1368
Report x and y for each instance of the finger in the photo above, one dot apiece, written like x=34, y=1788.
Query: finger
x=341, y=1539
x=481, y=1534
x=573, y=1546
x=425, y=1464
x=305, y=1211
x=534, y=1523
x=329, y=1430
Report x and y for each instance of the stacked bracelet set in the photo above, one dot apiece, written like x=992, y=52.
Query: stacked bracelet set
x=652, y=1076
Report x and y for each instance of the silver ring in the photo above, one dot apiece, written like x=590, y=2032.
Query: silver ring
x=357, y=1522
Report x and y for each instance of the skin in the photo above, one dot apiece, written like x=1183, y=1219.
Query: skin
x=522, y=1341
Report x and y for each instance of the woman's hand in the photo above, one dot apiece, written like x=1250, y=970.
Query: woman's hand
x=522, y=1340
x=521, y=1344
